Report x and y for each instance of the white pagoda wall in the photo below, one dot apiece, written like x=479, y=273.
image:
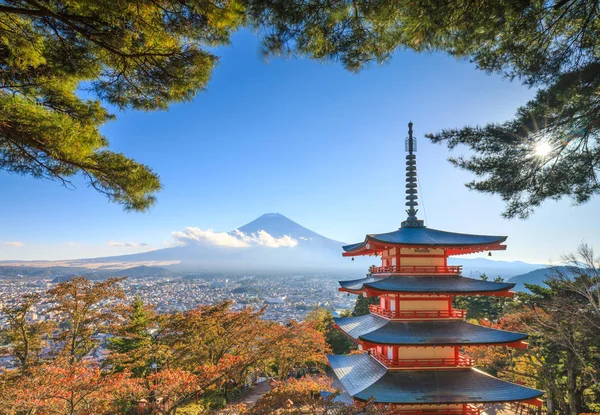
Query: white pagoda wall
x=425, y=352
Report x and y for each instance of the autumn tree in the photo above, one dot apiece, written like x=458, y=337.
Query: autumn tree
x=313, y=395
x=84, y=306
x=159, y=363
x=206, y=334
x=550, y=149
x=63, y=387
x=25, y=339
x=294, y=348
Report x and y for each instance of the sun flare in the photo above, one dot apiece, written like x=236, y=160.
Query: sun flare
x=542, y=148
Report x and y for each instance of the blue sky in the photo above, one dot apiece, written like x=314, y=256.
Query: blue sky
x=310, y=140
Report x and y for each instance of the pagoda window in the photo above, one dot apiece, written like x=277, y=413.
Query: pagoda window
x=390, y=352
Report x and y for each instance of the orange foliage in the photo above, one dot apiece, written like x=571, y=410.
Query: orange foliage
x=160, y=361
x=68, y=388
x=295, y=346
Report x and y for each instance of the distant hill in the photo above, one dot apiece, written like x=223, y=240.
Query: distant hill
x=60, y=274
x=141, y=271
x=537, y=277
x=474, y=267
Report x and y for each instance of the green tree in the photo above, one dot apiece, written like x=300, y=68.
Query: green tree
x=141, y=55
x=552, y=45
x=483, y=307
x=361, y=307
x=132, y=340
x=324, y=323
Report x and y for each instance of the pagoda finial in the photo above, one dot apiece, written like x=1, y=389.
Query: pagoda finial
x=411, y=182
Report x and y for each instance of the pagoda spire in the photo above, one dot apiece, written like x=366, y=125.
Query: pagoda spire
x=411, y=182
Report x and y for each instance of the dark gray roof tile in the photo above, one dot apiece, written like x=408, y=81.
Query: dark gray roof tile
x=364, y=379
x=426, y=284
x=423, y=236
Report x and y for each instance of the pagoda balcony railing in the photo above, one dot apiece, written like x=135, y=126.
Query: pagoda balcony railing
x=461, y=361
x=417, y=314
x=394, y=269
x=465, y=410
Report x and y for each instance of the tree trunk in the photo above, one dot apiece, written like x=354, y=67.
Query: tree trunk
x=575, y=398
x=550, y=404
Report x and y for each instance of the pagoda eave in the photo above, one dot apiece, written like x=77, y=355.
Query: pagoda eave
x=364, y=378
x=371, y=344
x=425, y=286
x=369, y=293
x=371, y=331
x=426, y=238
x=377, y=248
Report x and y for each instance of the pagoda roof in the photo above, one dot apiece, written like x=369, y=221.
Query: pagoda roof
x=425, y=284
x=375, y=329
x=426, y=237
x=365, y=378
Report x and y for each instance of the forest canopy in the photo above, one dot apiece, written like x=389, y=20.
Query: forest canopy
x=147, y=55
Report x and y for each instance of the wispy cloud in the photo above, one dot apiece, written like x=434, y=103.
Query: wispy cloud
x=235, y=239
x=70, y=243
x=127, y=244
x=13, y=243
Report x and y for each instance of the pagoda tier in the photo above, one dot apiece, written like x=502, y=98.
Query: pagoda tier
x=372, y=286
x=423, y=237
x=365, y=378
x=371, y=330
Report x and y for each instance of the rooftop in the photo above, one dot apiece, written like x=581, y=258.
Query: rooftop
x=425, y=284
x=365, y=378
x=426, y=237
x=374, y=329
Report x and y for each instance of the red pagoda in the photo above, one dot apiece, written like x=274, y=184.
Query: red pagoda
x=413, y=337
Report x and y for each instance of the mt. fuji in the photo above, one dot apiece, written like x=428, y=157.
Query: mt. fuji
x=272, y=242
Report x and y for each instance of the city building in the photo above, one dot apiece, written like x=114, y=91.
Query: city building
x=413, y=338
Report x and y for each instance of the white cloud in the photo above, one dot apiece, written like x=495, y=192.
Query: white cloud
x=72, y=243
x=14, y=243
x=127, y=244
x=235, y=239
